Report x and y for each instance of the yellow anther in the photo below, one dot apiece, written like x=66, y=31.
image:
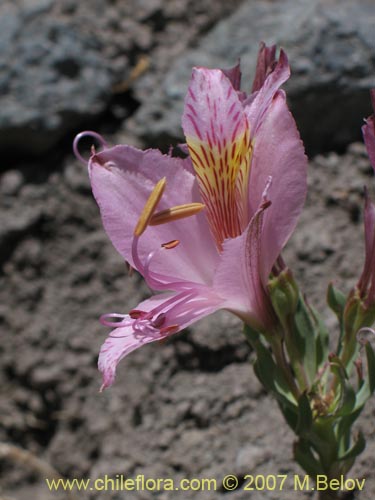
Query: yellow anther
x=175, y=213
x=150, y=207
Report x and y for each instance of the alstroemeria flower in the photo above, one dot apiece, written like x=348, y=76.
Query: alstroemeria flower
x=366, y=284
x=246, y=165
x=368, y=131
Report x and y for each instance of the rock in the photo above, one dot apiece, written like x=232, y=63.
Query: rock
x=62, y=63
x=53, y=74
x=248, y=457
x=12, y=230
x=330, y=49
x=11, y=182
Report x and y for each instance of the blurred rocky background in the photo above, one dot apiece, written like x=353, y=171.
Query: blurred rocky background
x=190, y=407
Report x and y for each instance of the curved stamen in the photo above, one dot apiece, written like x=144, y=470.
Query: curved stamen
x=160, y=281
x=172, y=302
x=361, y=335
x=80, y=136
x=125, y=320
x=154, y=280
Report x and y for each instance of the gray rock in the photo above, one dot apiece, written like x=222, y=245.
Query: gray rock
x=11, y=182
x=53, y=75
x=63, y=63
x=330, y=48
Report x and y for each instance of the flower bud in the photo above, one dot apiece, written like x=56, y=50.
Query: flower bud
x=284, y=294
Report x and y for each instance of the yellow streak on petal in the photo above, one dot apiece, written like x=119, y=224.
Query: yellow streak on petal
x=150, y=207
x=222, y=171
x=175, y=213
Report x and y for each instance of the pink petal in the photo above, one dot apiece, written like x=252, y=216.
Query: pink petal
x=239, y=277
x=257, y=105
x=279, y=154
x=122, y=179
x=177, y=316
x=234, y=76
x=265, y=65
x=368, y=273
x=217, y=135
x=369, y=224
x=368, y=131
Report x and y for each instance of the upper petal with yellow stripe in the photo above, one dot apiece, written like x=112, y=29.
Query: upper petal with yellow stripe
x=218, y=137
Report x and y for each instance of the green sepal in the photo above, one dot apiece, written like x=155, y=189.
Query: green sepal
x=305, y=417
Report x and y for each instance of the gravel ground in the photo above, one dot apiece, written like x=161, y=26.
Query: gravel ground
x=191, y=406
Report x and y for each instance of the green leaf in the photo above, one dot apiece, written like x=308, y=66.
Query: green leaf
x=305, y=418
x=356, y=449
x=302, y=344
x=346, y=400
x=272, y=378
x=291, y=416
x=362, y=396
x=304, y=456
x=251, y=335
x=344, y=430
x=370, y=367
x=322, y=339
x=264, y=373
x=368, y=386
x=336, y=300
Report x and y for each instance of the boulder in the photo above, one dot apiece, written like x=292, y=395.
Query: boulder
x=330, y=48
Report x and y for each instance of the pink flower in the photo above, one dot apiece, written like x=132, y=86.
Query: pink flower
x=368, y=131
x=366, y=284
x=247, y=165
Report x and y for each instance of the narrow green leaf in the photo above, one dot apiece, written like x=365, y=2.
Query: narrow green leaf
x=291, y=416
x=370, y=367
x=305, y=418
x=304, y=456
x=322, y=339
x=344, y=430
x=347, y=400
x=368, y=386
x=304, y=340
x=336, y=300
x=356, y=449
